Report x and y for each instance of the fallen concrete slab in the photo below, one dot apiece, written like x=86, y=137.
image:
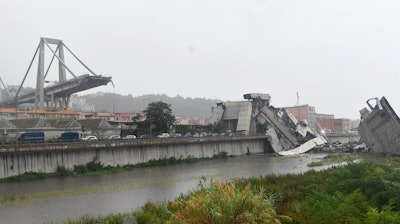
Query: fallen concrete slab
x=311, y=144
x=379, y=128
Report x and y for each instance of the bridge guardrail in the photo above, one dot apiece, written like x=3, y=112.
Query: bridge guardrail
x=48, y=145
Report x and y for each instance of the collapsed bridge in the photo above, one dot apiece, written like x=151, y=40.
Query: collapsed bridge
x=55, y=96
x=256, y=116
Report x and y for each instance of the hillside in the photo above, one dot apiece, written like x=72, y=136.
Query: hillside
x=109, y=102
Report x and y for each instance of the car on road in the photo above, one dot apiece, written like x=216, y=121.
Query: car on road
x=144, y=137
x=188, y=135
x=177, y=135
x=163, y=135
x=130, y=137
x=114, y=137
x=68, y=136
x=89, y=138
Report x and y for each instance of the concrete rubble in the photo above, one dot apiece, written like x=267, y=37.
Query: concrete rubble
x=379, y=128
x=256, y=116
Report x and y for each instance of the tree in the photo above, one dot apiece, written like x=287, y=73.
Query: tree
x=136, y=118
x=159, y=115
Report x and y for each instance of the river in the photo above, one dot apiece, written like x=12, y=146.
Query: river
x=62, y=198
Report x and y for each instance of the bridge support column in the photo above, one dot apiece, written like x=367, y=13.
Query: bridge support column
x=61, y=68
x=39, y=94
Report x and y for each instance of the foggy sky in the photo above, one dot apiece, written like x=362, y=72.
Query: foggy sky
x=335, y=54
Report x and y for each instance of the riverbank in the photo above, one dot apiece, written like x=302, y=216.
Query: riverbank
x=42, y=200
x=294, y=195
x=363, y=192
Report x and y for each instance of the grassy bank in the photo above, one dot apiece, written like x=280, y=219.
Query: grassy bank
x=335, y=159
x=363, y=192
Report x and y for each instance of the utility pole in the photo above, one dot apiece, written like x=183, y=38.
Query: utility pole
x=148, y=103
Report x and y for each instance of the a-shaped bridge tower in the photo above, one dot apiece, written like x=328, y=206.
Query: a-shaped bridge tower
x=55, y=96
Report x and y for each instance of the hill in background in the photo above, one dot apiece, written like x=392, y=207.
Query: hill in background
x=110, y=102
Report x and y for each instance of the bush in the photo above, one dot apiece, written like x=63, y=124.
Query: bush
x=62, y=171
x=152, y=214
x=224, y=203
x=94, y=166
x=109, y=219
x=385, y=216
x=79, y=169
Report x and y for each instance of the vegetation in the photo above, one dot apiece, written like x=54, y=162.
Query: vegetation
x=217, y=203
x=159, y=114
x=87, y=219
x=334, y=158
x=356, y=193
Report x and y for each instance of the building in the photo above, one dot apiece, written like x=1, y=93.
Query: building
x=106, y=116
x=342, y=125
x=304, y=112
x=324, y=122
x=315, y=120
x=123, y=116
x=12, y=113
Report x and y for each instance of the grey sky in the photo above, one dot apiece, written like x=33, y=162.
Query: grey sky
x=336, y=54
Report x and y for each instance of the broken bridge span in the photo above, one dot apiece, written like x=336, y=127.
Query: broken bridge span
x=55, y=96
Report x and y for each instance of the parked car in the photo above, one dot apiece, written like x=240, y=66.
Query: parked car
x=68, y=136
x=188, y=135
x=130, y=137
x=31, y=136
x=163, y=135
x=144, y=137
x=177, y=135
x=90, y=138
x=115, y=137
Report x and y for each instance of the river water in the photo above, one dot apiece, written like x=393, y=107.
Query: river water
x=63, y=198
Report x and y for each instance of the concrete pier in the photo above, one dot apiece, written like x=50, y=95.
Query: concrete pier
x=16, y=160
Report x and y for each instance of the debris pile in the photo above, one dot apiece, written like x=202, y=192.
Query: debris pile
x=379, y=128
x=288, y=135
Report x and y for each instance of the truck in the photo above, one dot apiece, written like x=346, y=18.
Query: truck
x=32, y=136
x=68, y=136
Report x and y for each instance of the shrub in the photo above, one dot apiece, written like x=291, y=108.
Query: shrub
x=62, y=171
x=79, y=169
x=151, y=213
x=224, y=203
x=385, y=216
x=94, y=166
x=109, y=219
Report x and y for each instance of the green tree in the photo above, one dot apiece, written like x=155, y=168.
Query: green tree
x=136, y=118
x=159, y=114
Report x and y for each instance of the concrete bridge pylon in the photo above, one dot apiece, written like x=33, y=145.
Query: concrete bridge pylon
x=56, y=96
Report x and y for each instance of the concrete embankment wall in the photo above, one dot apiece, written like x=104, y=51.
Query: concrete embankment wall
x=45, y=158
x=343, y=137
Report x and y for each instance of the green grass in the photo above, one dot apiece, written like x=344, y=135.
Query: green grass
x=354, y=193
x=334, y=159
x=87, y=219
